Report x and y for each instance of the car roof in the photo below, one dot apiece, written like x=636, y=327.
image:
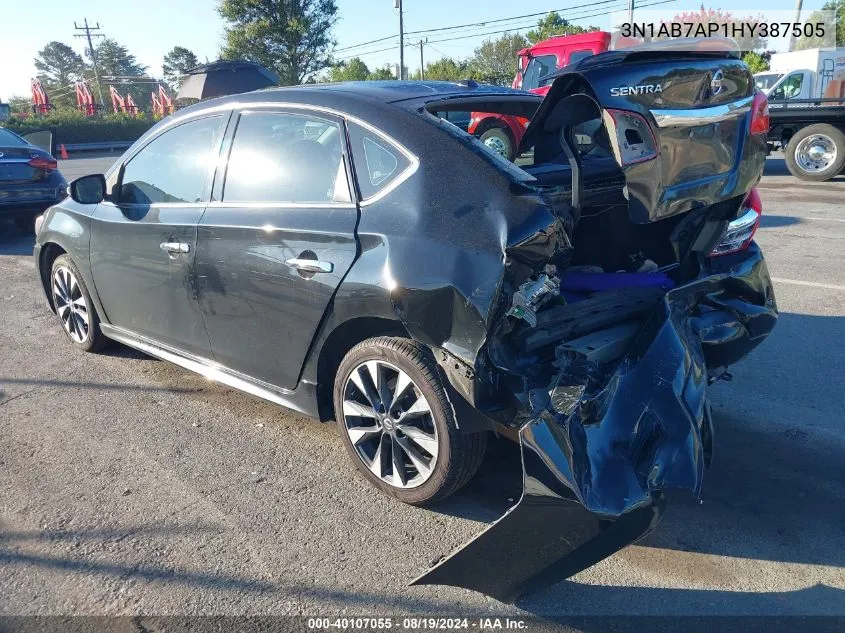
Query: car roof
x=347, y=95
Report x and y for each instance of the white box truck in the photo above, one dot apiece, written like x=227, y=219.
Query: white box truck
x=806, y=91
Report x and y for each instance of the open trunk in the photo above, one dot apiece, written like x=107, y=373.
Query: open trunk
x=603, y=361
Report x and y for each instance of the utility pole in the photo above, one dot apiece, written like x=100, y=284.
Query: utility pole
x=397, y=4
x=422, y=63
x=797, y=20
x=630, y=11
x=88, y=35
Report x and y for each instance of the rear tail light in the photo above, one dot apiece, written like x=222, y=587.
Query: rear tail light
x=40, y=162
x=760, y=113
x=635, y=140
x=741, y=231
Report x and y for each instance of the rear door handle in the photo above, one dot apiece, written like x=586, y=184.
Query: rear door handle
x=310, y=265
x=175, y=247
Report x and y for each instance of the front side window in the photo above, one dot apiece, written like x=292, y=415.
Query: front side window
x=378, y=162
x=790, y=88
x=281, y=157
x=538, y=68
x=175, y=167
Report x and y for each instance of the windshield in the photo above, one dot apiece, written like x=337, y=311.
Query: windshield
x=764, y=81
x=10, y=139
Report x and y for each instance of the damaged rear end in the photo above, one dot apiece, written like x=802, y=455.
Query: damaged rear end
x=602, y=362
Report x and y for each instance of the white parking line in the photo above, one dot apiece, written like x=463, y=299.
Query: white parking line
x=811, y=284
x=826, y=219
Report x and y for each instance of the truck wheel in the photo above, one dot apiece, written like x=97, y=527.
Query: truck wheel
x=499, y=140
x=398, y=424
x=816, y=152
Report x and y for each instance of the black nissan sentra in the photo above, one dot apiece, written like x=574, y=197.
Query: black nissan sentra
x=345, y=251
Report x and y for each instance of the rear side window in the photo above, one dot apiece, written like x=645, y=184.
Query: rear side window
x=378, y=162
x=10, y=139
x=576, y=56
x=175, y=167
x=281, y=157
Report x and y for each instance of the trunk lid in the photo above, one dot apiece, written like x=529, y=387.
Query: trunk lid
x=694, y=103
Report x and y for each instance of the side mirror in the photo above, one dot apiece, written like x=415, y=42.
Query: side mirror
x=88, y=189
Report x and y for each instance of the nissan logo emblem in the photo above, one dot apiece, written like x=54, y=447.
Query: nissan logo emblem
x=716, y=83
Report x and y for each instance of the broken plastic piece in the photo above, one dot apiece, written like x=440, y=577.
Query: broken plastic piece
x=531, y=295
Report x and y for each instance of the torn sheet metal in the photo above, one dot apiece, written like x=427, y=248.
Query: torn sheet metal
x=597, y=456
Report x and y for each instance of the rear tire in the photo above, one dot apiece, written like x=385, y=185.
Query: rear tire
x=816, y=152
x=74, y=307
x=391, y=404
x=499, y=140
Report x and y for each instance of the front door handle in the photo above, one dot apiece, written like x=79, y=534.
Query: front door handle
x=310, y=265
x=175, y=248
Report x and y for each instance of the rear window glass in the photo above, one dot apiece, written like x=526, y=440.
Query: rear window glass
x=378, y=162
x=10, y=139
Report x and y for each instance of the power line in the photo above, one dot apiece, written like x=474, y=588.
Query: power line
x=508, y=30
x=482, y=24
x=580, y=17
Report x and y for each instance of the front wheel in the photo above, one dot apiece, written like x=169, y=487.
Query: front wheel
x=397, y=423
x=74, y=306
x=816, y=152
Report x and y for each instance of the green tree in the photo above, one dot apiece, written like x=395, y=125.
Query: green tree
x=20, y=104
x=292, y=37
x=175, y=64
x=115, y=60
x=552, y=24
x=494, y=62
x=352, y=70
x=59, y=66
x=445, y=69
x=838, y=7
x=757, y=62
x=381, y=74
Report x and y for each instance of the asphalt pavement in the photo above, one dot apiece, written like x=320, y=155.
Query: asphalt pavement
x=130, y=486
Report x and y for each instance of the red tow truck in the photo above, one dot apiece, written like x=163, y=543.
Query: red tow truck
x=503, y=133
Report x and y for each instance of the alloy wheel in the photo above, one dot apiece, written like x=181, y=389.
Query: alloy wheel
x=390, y=424
x=816, y=153
x=71, y=305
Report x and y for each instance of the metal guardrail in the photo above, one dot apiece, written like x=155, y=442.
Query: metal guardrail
x=98, y=147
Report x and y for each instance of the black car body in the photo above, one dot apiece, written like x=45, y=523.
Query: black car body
x=30, y=180
x=501, y=281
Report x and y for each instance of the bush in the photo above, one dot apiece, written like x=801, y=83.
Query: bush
x=72, y=126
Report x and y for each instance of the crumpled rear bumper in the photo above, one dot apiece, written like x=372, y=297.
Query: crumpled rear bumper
x=596, y=461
